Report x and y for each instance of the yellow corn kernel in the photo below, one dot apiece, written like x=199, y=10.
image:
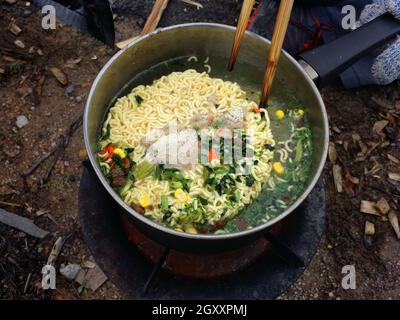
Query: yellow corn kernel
x=280, y=114
x=145, y=200
x=190, y=229
x=121, y=153
x=181, y=196
x=277, y=166
x=300, y=112
x=179, y=229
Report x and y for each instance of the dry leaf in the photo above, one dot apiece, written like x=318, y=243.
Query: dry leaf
x=19, y=44
x=85, y=85
x=41, y=212
x=336, y=129
x=350, y=181
x=393, y=158
x=59, y=75
x=379, y=126
x=394, y=176
x=383, y=206
x=369, y=229
x=346, y=146
x=337, y=177
x=332, y=152
x=394, y=221
x=368, y=207
x=348, y=175
x=83, y=154
x=88, y=264
x=92, y=279
x=14, y=29
x=356, y=137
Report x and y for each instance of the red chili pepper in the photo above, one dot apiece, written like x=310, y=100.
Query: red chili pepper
x=257, y=109
x=212, y=155
x=110, y=149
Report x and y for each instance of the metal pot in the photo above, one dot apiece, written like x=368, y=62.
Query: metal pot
x=215, y=40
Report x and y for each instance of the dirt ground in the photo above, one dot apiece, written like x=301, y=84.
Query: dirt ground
x=28, y=88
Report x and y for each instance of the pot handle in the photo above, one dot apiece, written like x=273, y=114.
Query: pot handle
x=328, y=61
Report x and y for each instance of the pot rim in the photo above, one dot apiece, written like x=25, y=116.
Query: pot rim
x=171, y=231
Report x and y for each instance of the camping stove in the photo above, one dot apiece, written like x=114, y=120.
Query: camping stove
x=144, y=269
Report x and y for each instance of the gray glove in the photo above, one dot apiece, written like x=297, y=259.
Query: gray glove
x=386, y=67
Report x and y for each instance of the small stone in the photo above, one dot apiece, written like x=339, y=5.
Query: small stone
x=330, y=294
x=69, y=89
x=39, y=52
x=11, y=1
x=78, y=99
x=22, y=121
x=141, y=22
x=70, y=271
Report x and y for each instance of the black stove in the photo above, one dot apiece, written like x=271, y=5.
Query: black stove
x=146, y=270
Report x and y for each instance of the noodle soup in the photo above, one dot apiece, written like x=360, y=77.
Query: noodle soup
x=243, y=164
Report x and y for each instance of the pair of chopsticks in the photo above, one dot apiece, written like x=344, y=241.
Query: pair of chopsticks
x=281, y=24
x=278, y=36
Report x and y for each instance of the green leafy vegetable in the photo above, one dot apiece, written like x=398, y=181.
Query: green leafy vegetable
x=250, y=180
x=139, y=100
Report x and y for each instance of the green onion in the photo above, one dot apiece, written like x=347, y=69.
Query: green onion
x=299, y=151
x=164, y=203
x=143, y=170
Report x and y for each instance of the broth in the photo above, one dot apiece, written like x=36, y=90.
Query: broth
x=289, y=185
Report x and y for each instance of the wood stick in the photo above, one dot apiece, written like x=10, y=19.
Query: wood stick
x=281, y=24
x=240, y=30
x=10, y=204
x=151, y=22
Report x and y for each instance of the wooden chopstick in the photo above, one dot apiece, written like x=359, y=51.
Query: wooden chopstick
x=151, y=22
x=240, y=30
x=281, y=24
